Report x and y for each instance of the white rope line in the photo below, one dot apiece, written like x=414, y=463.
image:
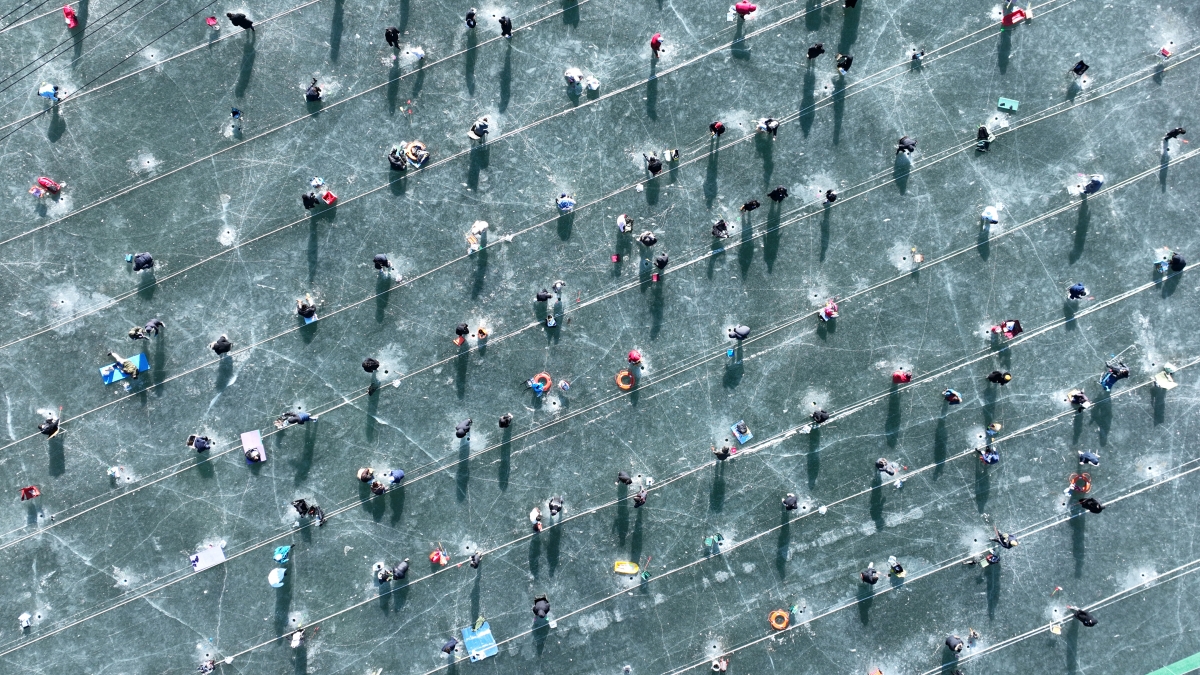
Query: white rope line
x=128, y=189
x=101, y=22
x=591, y=301
x=684, y=366
x=827, y=101
x=1153, y=582
x=56, y=10
x=75, y=96
x=441, y=363
x=770, y=442
x=743, y=453
x=469, y=150
x=757, y=447
x=131, y=293
x=955, y=562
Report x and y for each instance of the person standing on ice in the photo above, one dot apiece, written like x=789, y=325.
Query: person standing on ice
x=869, y=575
x=479, y=129
x=313, y=93
x=653, y=164
x=1000, y=378
x=1084, y=616
x=240, y=20
x=1004, y=539
x=656, y=44
x=221, y=345
x=767, y=125
x=1095, y=182
x=884, y=466
x=49, y=428
x=462, y=428
x=305, y=307
x=50, y=91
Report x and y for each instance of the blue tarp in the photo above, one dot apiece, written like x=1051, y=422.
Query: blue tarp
x=112, y=372
x=742, y=438
x=479, y=643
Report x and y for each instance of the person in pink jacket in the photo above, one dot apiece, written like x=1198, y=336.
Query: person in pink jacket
x=744, y=8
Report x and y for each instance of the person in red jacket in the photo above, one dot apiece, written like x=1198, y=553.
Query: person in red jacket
x=744, y=8
x=656, y=43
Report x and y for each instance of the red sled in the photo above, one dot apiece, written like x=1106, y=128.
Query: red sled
x=30, y=492
x=1013, y=18
x=69, y=15
x=329, y=198
x=44, y=186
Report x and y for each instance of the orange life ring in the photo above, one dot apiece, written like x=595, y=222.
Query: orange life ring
x=544, y=380
x=624, y=380
x=779, y=619
x=1081, y=483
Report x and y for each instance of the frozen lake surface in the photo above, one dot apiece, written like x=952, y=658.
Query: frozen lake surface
x=151, y=160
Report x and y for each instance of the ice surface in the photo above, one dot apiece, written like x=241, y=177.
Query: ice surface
x=152, y=161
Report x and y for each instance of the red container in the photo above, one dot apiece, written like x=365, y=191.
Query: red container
x=1013, y=18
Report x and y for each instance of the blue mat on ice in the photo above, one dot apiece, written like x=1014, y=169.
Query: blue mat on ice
x=479, y=643
x=112, y=372
x=742, y=438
